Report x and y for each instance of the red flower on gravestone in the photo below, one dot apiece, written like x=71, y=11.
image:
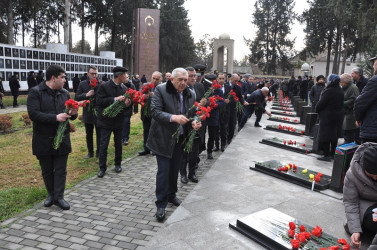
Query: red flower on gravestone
x=317, y=178
x=346, y=247
x=302, y=228
x=333, y=248
x=295, y=244
x=301, y=237
x=304, y=145
x=291, y=233
x=285, y=142
x=342, y=241
x=317, y=231
x=319, y=174
x=307, y=235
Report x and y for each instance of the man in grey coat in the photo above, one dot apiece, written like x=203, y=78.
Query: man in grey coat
x=169, y=105
x=360, y=192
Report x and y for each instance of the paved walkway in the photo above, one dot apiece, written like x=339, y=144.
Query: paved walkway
x=13, y=110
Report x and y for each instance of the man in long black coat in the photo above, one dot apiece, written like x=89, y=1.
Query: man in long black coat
x=75, y=82
x=85, y=92
x=31, y=80
x=221, y=134
x=45, y=105
x=14, y=85
x=232, y=106
x=108, y=93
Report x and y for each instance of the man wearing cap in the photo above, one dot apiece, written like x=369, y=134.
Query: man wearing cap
x=365, y=108
x=86, y=92
x=360, y=193
x=108, y=93
x=316, y=91
x=169, y=105
x=31, y=80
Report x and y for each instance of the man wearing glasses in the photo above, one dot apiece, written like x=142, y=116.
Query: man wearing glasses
x=86, y=92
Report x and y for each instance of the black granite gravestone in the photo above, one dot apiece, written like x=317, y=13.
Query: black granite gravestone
x=304, y=111
x=288, y=144
x=300, y=104
x=311, y=120
x=269, y=227
x=295, y=174
x=284, y=119
x=284, y=113
x=282, y=108
x=316, y=148
x=285, y=129
x=342, y=159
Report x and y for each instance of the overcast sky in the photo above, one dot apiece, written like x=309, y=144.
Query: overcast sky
x=215, y=17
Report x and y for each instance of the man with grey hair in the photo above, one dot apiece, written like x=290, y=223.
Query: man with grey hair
x=169, y=105
x=359, y=79
x=351, y=92
x=145, y=112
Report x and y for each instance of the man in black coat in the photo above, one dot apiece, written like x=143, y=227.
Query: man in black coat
x=40, y=77
x=108, y=93
x=145, y=111
x=365, y=108
x=86, y=92
x=75, y=82
x=2, y=91
x=358, y=78
x=46, y=105
x=168, y=107
x=14, y=85
x=128, y=114
x=232, y=106
x=197, y=89
x=255, y=100
x=31, y=80
x=316, y=91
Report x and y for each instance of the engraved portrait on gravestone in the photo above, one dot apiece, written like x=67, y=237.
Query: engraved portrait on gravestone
x=62, y=65
x=29, y=65
x=67, y=58
x=35, y=54
x=2, y=75
x=62, y=57
x=8, y=76
x=72, y=58
x=47, y=55
x=8, y=63
x=76, y=67
x=52, y=56
x=80, y=59
x=29, y=54
x=15, y=53
x=23, y=76
x=76, y=59
x=81, y=67
x=22, y=53
x=48, y=64
x=2, y=65
x=57, y=57
x=106, y=62
x=41, y=55
x=41, y=65
x=92, y=60
x=35, y=65
x=1, y=51
x=8, y=52
x=22, y=64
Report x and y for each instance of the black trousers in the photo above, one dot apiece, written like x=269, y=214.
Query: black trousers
x=167, y=174
x=352, y=135
x=54, y=173
x=232, y=124
x=15, y=100
x=211, y=137
x=146, y=125
x=221, y=134
x=89, y=128
x=105, y=139
x=328, y=147
x=368, y=222
x=192, y=158
x=368, y=140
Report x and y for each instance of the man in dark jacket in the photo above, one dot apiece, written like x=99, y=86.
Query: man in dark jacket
x=31, y=80
x=46, y=105
x=169, y=104
x=75, y=82
x=255, y=100
x=14, y=85
x=197, y=89
x=358, y=78
x=108, y=93
x=365, y=108
x=86, y=92
x=316, y=91
x=128, y=114
x=136, y=82
x=2, y=91
x=40, y=77
x=360, y=193
x=232, y=106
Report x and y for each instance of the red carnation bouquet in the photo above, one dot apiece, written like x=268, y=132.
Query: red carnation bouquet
x=147, y=88
x=69, y=105
x=114, y=109
x=215, y=85
x=233, y=95
x=93, y=85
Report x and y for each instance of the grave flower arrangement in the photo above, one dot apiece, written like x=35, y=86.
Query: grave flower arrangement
x=70, y=104
x=233, y=95
x=114, y=109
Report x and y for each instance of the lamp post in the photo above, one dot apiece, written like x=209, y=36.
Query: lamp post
x=305, y=68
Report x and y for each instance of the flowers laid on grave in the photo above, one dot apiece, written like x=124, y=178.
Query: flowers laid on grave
x=301, y=237
x=70, y=104
x=115, y=108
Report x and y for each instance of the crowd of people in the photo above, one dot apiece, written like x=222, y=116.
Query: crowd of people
x=346, y=105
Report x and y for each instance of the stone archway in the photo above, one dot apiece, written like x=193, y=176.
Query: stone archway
x=221, y=47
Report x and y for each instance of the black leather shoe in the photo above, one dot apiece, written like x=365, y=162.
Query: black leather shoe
x=193, y=178
x=88, y=156
x=175, y=201
x=216, y=149
x=160, y=214
x=118, y=169
x=222, y=148
x=257, y=125
x=145, y=152
x=62, y=204
x=324, y=158
x=101, y=173
x=48, y=202
x=184, y=179
x=209, y=156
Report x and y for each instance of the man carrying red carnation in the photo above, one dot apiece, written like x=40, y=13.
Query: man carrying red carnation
x=46, y=105
x=87, y=90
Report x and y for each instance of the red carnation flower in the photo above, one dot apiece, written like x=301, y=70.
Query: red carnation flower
x=295, y=244
x=292, y=225
x=302, y=228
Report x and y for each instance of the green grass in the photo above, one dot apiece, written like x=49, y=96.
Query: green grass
x=21, y=184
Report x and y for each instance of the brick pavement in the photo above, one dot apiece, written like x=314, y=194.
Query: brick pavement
x=115, y=212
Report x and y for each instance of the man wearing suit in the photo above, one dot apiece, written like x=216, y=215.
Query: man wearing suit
x=108, y=93
x=232, y=106
x=85, y=92
x=198, y=89
x=168, y=106
x=145, y=113
x=14, y=85
x=31, y=80
x=224, y=115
